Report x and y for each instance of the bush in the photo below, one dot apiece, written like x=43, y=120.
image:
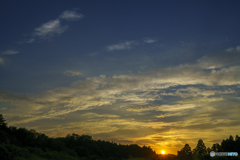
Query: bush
x=4, y=152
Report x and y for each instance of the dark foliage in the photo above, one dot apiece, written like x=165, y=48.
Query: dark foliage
x=201, y=148
x=203, y=153
x=231, y=145
x=23, y=144
x=3, y=125
x=185, y=153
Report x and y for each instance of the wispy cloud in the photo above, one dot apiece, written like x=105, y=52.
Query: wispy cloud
x=31, y=40
x=236, y=49
x=53, y=27
x=95, y=115
x=167, y=102
x=197, y=92
x=71, y=15
x=8, y=52
x=122, y=46
x=149, y=40
x=176, y=107
x=28, y=41
x=49, y=29
x=73, y=73
x=132, y=90
x=208, y=63
x=229, y=57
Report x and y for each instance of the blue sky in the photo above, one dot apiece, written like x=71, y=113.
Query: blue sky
x=144, y=72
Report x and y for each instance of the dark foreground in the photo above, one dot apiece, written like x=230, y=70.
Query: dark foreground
x=24, y=144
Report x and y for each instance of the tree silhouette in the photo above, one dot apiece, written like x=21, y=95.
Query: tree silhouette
x=208, y=150
x=229, y=145
x=216, y=147
x=200, y=148
x=3, y=125
x=21, y=143
x=237, y=144
x=237, y=138
x=185, y=153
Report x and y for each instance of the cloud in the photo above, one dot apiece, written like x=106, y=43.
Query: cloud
x=230, y=57
x=149, y=40
x=129, y=90
x=95, y=115
x=73, y=73
x=196, y=92
x=209, y=63
x=104, y=107
x=1, y=61
x=230, y=49
x=49, y=29
x=177, y=107
x=140, y=108
x=53, y=27
x=170, y=115
x=31, y=40
x=166, y=102
x=71, y=15
x=236, y=49
x=6, y=96
x=122, y=46
x=28, y=41
x=8, y=52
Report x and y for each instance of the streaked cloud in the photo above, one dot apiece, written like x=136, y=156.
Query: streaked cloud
x=73, y=73
x=95, y=115
x=230, y=57
x=176, y=107
x=8, y=96
x=49, y=29
x=8, y=52
x=93, y=54
x=196, y=92
x=122, y=46
x=131, y=90
x=158, y=88
x=169, y=115
x=230, y=49
x=236, y=49
x=137, y=108
x=166, y=103
x=53, y=27
x=149, y=40
x=30, y=41
x=208, y=63
x=71, y=15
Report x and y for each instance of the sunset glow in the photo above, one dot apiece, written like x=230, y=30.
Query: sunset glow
x=159, y=74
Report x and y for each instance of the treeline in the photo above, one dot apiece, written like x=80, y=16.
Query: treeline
x=21, y=144
x=203, y=153
x=24, y=144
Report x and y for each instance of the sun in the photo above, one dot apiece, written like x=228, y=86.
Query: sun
x=163, y=152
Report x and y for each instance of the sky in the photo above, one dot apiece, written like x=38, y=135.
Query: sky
x=154, y=73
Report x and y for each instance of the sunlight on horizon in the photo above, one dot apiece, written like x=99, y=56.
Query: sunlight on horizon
x=143, y=76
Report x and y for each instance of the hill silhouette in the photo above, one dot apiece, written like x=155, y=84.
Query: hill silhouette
x=23, y=144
